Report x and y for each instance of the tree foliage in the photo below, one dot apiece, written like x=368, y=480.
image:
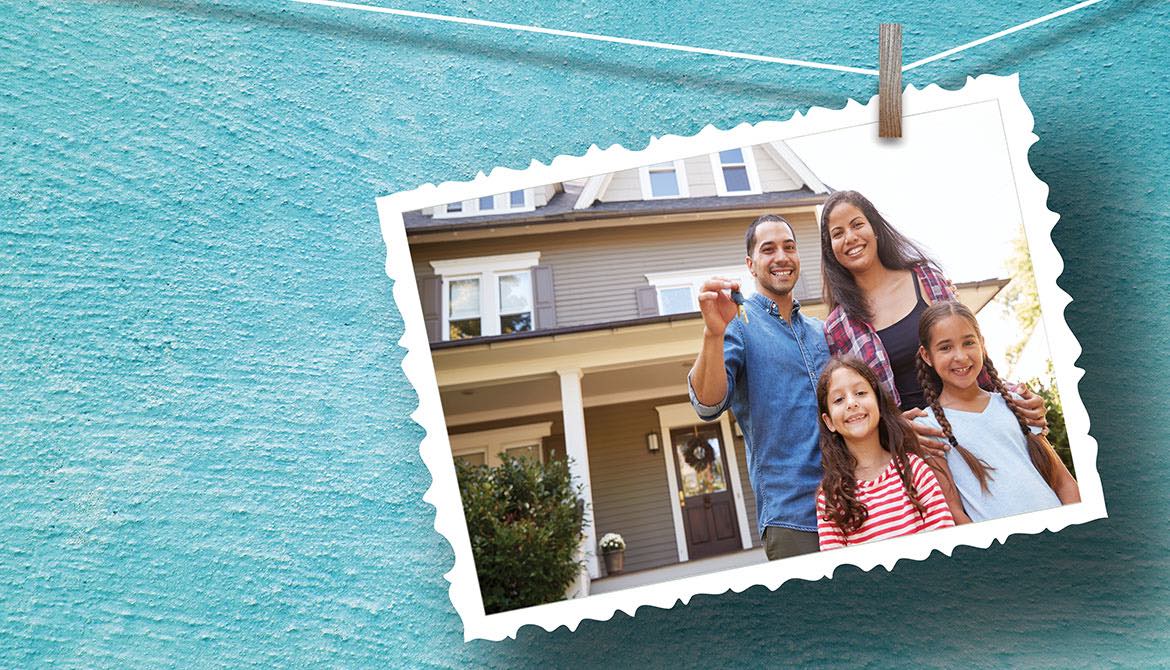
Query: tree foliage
x=1021, y=296
x=1057, y=431
x=525, y=524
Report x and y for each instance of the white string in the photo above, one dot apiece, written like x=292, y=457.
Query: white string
x=697, y=50
x=590, y=36
x=1002, y=33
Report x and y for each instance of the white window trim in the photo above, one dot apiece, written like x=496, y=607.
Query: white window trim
x=749, y=163
x=503, y=205
x=495, y=442
x=695, y=279
x=487, y=269
x=467, y=452
x=678, y=416
x=680, y=174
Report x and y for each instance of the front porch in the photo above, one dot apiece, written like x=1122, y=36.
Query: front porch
x=692, y=568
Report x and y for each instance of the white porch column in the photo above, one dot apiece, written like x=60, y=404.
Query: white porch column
x=573, y=408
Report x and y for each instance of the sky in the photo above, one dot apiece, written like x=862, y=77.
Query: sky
x=947, y=184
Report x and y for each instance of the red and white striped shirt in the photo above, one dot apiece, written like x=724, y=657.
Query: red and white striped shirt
x=891, y=514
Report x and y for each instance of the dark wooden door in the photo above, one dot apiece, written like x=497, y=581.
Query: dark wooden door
x=704, y=491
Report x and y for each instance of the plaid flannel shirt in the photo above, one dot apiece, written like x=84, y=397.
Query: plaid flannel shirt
x=848, y=336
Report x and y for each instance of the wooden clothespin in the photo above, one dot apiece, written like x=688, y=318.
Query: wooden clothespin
x=890, y=80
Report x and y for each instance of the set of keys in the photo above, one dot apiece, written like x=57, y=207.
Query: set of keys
x=738, y=299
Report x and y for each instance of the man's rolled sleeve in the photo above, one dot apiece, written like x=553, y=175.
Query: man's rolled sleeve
x=732, y=360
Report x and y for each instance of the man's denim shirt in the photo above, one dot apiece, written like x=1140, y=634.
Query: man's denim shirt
x=772, y=370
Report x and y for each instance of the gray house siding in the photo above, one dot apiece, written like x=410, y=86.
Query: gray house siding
x=597, y=273
x=772, y=176
x=626, y=185
x=631, y=495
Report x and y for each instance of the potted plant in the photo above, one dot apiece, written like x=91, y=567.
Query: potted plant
x=613, y=548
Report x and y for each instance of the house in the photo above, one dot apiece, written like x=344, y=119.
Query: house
x=563, y=320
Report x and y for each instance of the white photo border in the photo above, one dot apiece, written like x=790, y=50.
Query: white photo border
x=435, y=449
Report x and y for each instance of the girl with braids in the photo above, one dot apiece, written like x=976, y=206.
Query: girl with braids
x=1000, y=465
x=875, y=485
x=877, y=283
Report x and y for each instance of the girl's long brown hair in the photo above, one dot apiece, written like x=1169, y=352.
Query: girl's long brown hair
x=897, y=436
x=1039, y=450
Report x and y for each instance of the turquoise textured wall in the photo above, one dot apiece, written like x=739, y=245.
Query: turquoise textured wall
x=206, y=456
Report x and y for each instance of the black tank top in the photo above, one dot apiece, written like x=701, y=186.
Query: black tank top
x=901, y=343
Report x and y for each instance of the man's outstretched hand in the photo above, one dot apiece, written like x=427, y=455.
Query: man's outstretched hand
x=716, y=305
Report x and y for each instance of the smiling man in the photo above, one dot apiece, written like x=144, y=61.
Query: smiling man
x=766, y=371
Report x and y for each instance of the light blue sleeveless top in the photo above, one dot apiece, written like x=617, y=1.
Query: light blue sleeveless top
x=1015, y=486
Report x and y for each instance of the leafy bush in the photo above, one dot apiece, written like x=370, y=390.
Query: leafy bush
x=1057, y=431
x=525, y=524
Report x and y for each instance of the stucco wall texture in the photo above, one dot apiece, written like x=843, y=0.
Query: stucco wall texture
x=206, y=455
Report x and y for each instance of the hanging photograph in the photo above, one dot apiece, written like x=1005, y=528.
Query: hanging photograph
x=739, y=358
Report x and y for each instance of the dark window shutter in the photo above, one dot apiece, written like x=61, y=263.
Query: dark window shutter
x=647, y=301
x=430, y=290
x=544, y=301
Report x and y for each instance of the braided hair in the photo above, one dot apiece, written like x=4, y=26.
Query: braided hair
x=931, y=388
x=895, y=433
x=1041, y=453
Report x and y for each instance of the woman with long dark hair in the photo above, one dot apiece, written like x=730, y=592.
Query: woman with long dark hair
x=877, y=283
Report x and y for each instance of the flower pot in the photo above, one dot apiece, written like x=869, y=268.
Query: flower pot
x=614, y=562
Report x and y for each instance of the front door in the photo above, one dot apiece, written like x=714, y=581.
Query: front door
x=704, y=491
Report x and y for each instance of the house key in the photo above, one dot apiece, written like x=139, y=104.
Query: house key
x=738, y=299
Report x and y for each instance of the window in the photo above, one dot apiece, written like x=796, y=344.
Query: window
x=463, y=308
x=515, y=302
x=678, y=292
x=486, y=447
x=735, y=172
x=520, y=200
x=478, y=457
x=490, y=295
x=677, y=299
x=664, y=180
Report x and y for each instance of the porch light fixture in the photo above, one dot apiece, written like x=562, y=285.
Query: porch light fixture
x=652, y=442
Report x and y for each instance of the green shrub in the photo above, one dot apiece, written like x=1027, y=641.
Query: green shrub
x=525, y=524
x=1057, y=431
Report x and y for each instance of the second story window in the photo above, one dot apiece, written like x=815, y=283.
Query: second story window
x=678, y=292
x=515, y=302
x=490, y=295
x=464, y=308
x=663, y=180
x=735, y=172
x=520, y=200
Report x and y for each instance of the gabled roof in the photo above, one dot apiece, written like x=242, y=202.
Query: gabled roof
x=560, y=209
x=582, y=200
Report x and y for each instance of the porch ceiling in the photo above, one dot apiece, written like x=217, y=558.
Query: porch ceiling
x=542, y=395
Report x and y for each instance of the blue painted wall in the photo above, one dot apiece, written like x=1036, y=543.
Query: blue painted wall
x=206, y=456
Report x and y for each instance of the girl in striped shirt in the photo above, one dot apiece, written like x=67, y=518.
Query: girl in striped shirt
x=875, y=485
